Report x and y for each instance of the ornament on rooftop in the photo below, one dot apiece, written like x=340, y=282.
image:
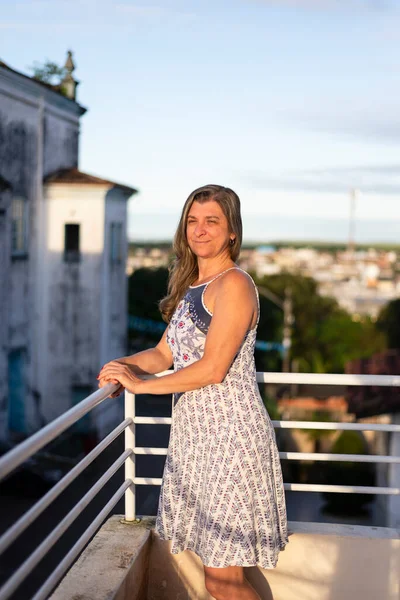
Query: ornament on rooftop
x=68, y=83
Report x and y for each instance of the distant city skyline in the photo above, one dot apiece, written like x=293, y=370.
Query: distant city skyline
x=290, y=102
x=271, y=228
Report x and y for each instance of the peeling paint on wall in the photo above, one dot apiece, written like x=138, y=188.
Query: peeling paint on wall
x=19, y=165
x=61, y=141
x=66, y=318
x=17, y=154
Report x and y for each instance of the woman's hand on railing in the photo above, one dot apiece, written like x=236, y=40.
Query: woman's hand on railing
x=117, y=392
x=117, y=372
x=103, y=382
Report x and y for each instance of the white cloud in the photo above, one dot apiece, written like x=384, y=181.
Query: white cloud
x=376, y=5
x=371, y=179
x=55, y=26
x=141, y=11
x=374, y=119
x=155, y=12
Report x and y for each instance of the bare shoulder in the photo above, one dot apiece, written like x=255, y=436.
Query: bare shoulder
x=237, y=282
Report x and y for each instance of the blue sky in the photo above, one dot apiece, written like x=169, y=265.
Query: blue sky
x=289, y=102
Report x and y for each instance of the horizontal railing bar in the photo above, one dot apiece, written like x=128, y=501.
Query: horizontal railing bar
x=302, y=487
x=20, y=574
x=342, y=489
x=49, y=584
x=334, y=426
x=37, y=441
x=20, y=453
x=151, y=451
x=11, y=534
x=320, y=378
x=329, y=379
x=152, y=420
x=147, y=481
x=321, y=456
x=370, y=458
x=293, y=424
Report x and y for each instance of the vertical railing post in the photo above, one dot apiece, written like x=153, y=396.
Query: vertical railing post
x=130, y=494
x=393, y=504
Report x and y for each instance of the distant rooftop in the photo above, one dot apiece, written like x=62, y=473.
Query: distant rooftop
x=55, y=88
x=66, y=88
x=74, y=176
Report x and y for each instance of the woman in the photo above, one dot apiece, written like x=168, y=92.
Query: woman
x=222, y=494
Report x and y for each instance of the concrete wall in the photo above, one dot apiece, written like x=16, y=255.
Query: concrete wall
x=321, y=562
x=113, y=305
x=5, y=272
x=114, y=566
x=84, y=303
x=394, y=476
x=39, y=132
x=18, y=135
x=61, y=141
x=72, y=294
x=69, y=318
x=114, y=297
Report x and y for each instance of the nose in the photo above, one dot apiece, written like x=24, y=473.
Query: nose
x=199, y=229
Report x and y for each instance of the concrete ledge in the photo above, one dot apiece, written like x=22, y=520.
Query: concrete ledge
x=357, y=531
x=114, y=566
x=322, y=561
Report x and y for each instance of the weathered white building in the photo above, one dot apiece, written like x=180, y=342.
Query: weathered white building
x=63, y=253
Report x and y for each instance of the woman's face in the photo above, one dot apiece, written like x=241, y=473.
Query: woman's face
x=207, y=229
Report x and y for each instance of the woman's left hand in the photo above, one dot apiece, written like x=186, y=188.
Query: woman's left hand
x=122, y=373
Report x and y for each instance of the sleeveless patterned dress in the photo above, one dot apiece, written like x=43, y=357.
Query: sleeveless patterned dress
x=222, y=492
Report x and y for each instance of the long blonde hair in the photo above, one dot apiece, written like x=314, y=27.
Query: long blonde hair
x=184, y=270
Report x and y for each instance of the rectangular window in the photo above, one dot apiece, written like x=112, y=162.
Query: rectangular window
x=71, y=242
x=19, y=226
x=116, y=242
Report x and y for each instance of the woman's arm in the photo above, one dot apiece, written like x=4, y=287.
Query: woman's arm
x=152, y=360
x=234, y=307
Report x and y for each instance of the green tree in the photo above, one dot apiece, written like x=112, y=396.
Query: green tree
x=342, y=340
x=348, y=473
x=389, y=323
x=318, y=435
x=324, y=336
x=48, y=72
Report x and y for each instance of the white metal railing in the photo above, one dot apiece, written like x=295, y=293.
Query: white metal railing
x=26, y=449
x=23, y=451
x=291, y=378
